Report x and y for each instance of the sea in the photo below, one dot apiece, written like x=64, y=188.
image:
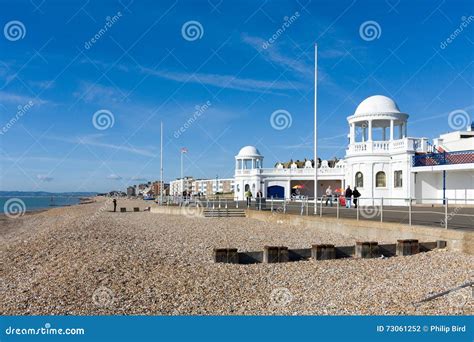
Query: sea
x=33, y=203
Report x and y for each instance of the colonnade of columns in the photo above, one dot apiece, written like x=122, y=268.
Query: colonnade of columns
x=367, y=131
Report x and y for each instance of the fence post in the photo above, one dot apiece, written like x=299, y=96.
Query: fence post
x=271, y=204
x=381, y=209
x=306, y=206
x=409, y=211
x=302, y=208
x=284, y=206
x=321, y=208
x=357, y=209
x=337, y=207
x=237, y=204
x=226, y=203
x=446, y=213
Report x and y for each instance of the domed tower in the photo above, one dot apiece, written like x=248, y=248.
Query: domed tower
x=378, y=154
x=248, y=165
x=248, y=158
x=376, y=119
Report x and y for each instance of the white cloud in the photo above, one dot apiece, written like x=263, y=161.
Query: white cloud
x=97, y=93
x=19, y=99
x=272, y=54
x=224, y=81
x=92, y=140
x=44, y=178
x=113, y=176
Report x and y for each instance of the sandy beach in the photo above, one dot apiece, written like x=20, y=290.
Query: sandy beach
x=87, y=260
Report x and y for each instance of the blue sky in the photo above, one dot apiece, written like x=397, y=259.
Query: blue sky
x=145, y=67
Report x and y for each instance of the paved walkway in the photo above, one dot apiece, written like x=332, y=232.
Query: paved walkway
x=458, y=217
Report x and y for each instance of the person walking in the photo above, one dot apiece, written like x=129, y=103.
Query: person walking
x=329, y=196
x=248, y=196
x=115, y=204
x=356, y=195
x=348, y=195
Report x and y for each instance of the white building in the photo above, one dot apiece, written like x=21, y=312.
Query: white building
x=203, y=186
x=381, y=160
x=179, y=185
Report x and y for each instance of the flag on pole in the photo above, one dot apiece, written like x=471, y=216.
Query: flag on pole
x=184, y=150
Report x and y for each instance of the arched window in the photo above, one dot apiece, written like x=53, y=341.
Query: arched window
x=359, y=180
x=380, y=180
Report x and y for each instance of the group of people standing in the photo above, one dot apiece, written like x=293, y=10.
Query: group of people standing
x=248, y=196
x=349, y=196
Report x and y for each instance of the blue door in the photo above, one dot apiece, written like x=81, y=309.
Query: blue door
x=276, y=191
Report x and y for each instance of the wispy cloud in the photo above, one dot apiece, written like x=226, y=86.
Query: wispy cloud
x=224, y=81
x=113, y=176
x=8, y=97
x=138, y=179
x=44, y=178
x=42, y=84
x=92, y=141
x=272, y=54
x=97, y=93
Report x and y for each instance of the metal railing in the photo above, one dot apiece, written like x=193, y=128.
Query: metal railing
x=443, y=158
x=446, y=213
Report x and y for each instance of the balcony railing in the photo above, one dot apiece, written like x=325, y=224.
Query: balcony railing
x=337, y=170
x=386, y=146
x=443, y=158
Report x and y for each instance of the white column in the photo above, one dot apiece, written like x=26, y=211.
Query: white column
x=364, y=130
x=352, y=133
x=405, y=131
x=391, y=129
x=369, y=138
x=400, y=131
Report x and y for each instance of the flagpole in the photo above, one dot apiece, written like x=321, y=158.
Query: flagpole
x=315, y=129
x=182, y=179
x=161, y=164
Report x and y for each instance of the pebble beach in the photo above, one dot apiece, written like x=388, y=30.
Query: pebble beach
x=87, y=260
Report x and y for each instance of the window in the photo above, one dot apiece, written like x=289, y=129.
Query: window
x=359, y=180
x=397, y=179
x=380, y=180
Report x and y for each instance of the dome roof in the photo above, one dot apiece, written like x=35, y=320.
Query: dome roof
x=377, y=104
x=249, y=151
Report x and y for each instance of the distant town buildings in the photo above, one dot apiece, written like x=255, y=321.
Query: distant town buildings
x=149, y=189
